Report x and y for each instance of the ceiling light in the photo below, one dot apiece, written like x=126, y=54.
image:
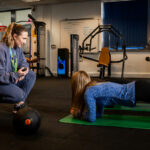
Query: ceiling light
x=30, y=1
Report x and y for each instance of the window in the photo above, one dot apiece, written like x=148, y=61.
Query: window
x=5, y=18
x=130, y=19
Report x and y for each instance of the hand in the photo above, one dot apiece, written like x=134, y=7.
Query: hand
x=21, y=78
x=21, y=71
x=75, y=112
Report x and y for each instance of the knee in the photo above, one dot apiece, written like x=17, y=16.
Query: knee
x=18, y=96
x=31, y=75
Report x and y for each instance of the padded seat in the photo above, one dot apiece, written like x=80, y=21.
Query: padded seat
x=104, y=61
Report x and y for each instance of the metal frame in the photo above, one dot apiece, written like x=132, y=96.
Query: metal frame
x=105, y=28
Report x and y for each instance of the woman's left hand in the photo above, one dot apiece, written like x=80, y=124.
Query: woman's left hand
x=21, y=78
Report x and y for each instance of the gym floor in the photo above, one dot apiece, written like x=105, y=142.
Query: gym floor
x=51, y=97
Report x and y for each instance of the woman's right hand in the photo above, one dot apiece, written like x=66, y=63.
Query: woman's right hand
x=75, y=112
x=21, y=72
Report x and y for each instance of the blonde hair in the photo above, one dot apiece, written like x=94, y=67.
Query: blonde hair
x=12, y=29
x=79, y=81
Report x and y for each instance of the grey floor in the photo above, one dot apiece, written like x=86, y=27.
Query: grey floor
x=51, y=97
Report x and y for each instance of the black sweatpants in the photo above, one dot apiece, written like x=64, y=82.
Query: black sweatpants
x=142, y=90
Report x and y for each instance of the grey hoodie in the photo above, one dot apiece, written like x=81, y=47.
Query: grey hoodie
x=7, y=76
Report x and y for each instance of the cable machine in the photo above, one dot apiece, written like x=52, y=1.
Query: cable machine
x=39, y=31
x=38, y=26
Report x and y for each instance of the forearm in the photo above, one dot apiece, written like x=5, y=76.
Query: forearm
x=8, y=78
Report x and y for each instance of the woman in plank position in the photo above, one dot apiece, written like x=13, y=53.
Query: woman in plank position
x=90, y=97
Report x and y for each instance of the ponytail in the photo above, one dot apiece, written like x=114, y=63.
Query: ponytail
x=12, y=29
x=7, y=37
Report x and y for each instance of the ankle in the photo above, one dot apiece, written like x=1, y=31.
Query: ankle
x=18, y=106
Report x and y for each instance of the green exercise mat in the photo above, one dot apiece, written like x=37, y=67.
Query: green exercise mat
x=139, y=107
x=125, y=121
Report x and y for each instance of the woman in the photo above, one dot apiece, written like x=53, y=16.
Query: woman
x=16, y=80
x=89, y=97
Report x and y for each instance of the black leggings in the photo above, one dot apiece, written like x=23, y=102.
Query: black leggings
x=142, y=90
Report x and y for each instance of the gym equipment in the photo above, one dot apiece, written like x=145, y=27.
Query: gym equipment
x=36, y=58
x=63, y=62
x=143, y=107
x=104, y=61
x=118, y=120
x=40, y=32
x=26, y=120
x=74, y=38
x=111, y=30
x=124, y=121
x=2, y=30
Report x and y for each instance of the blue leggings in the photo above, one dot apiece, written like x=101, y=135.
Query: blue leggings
x=14, y=93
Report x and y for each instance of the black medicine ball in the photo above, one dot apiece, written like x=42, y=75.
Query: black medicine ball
x=26, y=120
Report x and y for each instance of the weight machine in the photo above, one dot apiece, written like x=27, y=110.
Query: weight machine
x=112, y=31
